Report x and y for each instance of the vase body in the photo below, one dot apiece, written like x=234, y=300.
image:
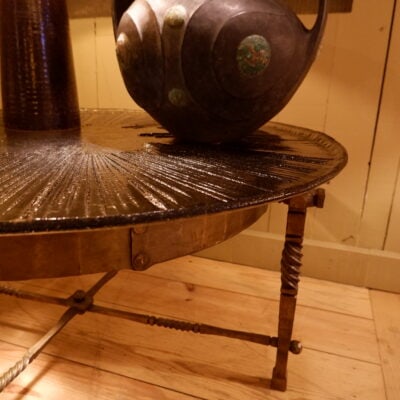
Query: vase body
x=211, y=70
x=38, y=79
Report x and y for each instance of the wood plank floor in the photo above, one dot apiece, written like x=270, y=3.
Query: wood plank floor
x=350, y=337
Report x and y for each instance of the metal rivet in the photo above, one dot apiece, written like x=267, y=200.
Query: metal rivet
x=122, y=49
x=122, y=39
x=139, y=229
x=175, y=16
x=296, y=347
x=79, y=296
x=141, y=262
x=178, y=97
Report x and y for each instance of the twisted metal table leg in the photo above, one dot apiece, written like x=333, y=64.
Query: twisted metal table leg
x=79, y=303
x=35, y=350
x=290, y=277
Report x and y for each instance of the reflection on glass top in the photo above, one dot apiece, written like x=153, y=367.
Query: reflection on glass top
x=123, y=169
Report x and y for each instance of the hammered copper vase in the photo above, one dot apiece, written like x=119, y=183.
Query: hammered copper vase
x=212, y=70
x=38, y=79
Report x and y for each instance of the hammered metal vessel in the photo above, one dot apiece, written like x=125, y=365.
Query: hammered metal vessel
x=211, y=70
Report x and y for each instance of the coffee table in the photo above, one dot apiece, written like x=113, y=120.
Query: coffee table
x=121, y=193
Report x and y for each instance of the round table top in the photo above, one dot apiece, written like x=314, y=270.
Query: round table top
x=122, y=168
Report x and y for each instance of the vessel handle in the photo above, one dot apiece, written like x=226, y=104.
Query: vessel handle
x=317, y=31
x=118, y=7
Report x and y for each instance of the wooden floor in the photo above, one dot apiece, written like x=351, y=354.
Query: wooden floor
x=350, y=335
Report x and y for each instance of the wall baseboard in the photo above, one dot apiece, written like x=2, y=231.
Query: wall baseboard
x=374, y=269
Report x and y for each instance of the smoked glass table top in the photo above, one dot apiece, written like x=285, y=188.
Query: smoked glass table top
x=123, y=169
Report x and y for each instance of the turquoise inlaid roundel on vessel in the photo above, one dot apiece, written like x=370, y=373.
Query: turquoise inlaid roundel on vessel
x=253, y=55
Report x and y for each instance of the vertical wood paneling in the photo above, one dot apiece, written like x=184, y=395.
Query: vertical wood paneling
x=83, y=40
x=392, y=242
x=111, y=89
x=351, y=118
x=99, y=81
x=381, y=195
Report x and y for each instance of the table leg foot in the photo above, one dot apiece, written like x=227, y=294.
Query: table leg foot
x=278, y=382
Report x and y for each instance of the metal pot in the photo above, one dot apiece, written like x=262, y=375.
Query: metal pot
x=212, y=70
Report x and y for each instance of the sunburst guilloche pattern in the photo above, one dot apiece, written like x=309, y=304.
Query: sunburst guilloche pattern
x=72, y=183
